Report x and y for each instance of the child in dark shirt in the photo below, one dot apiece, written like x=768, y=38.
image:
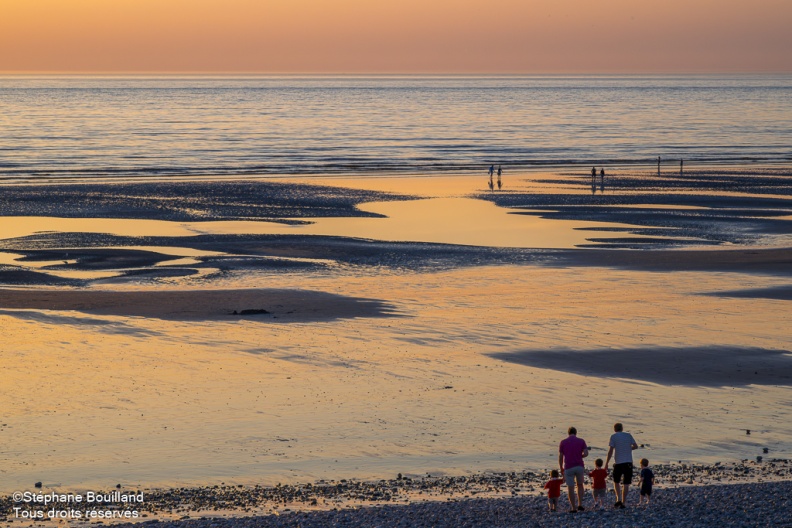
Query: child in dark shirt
x=599, y=488
x=647, y=480
x=553, y=488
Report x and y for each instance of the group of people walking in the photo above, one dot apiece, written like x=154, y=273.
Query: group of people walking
x=492, y=171
x=571, y=452
x=594, y=180
x=491, y=174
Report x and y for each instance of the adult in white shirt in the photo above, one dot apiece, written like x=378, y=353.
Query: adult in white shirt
x=623, y=445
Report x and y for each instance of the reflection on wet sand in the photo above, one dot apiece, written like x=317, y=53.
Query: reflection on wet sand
x=372, y=397
x=463, y=221
x=390, y=363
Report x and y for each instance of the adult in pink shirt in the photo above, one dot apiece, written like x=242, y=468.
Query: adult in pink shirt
x=571, y=452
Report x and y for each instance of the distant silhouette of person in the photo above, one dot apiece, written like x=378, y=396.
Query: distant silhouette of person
x=593, y=172
x=681, y=165
x=491, y=171
x=658, y=165
x=500, y=183
x=602, y=173
x=500, y=171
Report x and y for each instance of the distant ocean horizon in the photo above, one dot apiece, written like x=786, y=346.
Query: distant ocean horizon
x=83, y=125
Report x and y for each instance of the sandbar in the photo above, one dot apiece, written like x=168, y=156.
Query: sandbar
x=225, y=305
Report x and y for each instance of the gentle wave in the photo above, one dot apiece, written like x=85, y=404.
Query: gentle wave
x=142, y=126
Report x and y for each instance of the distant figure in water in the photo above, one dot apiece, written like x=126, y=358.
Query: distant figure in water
x=593, y=172
x=500, y=183
x=491, y=171
x=681, y=166
x=658, y=165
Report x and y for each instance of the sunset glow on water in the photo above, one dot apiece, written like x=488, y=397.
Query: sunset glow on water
x=106, y=126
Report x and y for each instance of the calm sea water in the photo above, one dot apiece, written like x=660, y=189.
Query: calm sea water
x=66, y=126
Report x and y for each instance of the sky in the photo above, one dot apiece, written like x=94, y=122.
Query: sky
x=395, y=36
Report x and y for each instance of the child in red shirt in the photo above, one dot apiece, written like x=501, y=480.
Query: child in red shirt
x=598, y=486
x=553, y=488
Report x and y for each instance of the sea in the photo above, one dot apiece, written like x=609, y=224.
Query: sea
x=130, y=126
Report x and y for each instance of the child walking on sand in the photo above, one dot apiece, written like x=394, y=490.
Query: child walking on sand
x=599, y=488
x=553, y=488
x=647, y=480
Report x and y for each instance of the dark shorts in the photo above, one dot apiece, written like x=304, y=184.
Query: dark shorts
x=599, y=492
x=622, y=473
x=646, y=491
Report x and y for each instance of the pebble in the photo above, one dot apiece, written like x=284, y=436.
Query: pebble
x=724, y=494
x=724, y=506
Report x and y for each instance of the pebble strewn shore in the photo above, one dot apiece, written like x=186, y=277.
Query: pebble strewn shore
x=746, y=493
x=350, y=493
x=736, y=505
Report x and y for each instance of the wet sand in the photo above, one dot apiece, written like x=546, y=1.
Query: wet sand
x=401, y=356
x=262, y=305
x=775, y=261
x=225, y=199
x=245, y=253
x=715, y=366
x=782, y=293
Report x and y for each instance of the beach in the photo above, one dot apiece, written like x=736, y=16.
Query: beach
x=260, y=332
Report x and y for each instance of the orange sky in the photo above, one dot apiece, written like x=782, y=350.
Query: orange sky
x=398, y=36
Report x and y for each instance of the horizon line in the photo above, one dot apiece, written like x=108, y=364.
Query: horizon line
x=382, y=74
